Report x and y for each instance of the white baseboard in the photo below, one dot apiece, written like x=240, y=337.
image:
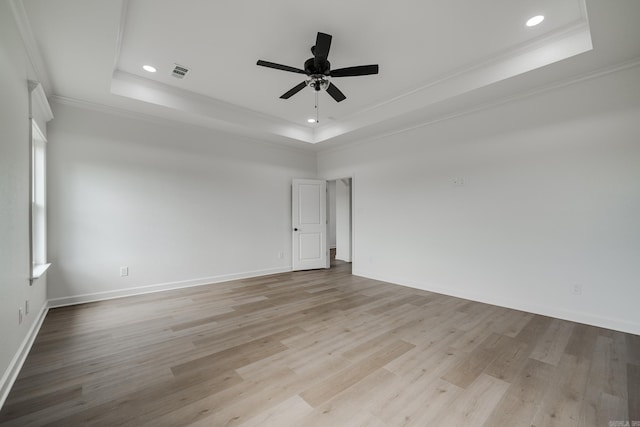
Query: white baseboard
x=12, y=371
x=19, y=358
x=559, y=313
x=120, y=293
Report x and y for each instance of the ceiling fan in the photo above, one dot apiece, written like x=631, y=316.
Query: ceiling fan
x=318, y=69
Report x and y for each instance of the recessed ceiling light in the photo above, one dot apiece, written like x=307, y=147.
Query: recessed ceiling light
x=149, y=68
x=311, y=120
x=532, y=22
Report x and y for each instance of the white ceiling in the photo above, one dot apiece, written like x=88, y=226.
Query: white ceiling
x=436, y=57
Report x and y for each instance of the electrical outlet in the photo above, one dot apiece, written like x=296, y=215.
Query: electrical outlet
x=124, y=271
x=576, y=289
x=19, y=315
x=280, y=255
x=26, y=307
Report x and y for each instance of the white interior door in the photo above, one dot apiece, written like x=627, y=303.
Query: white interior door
x=309, y=221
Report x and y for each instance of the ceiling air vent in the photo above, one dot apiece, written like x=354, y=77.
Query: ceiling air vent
x=179, y=71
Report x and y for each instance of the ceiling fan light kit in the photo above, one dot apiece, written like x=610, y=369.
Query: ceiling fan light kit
x=318, y=70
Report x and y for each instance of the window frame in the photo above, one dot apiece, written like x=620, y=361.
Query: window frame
x=38, y=203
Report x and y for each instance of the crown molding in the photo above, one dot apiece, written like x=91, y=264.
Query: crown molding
x=568, y=41
x=108, y=109
x=77, y=103
x=123, y=22
x=33, y=52
x=174, y=123
x=219, y=115
x=152, y=92
x=591, y=75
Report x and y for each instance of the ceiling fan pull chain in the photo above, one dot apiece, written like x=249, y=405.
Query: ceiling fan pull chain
x=317, y=109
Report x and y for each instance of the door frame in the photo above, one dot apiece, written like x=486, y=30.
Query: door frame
x=353, y=204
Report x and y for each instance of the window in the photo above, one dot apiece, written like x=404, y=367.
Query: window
x=38, y=203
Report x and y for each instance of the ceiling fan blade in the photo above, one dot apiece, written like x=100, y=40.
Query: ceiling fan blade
x=294, y=90
x=321, y=49
x=360, y=70
x=335, y=93
x=280, y=67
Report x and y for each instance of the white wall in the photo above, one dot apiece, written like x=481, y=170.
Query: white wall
x=14, y=202
x=551, y=199
x=176, y=204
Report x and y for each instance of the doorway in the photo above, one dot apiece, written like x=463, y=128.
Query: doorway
x=339, y=221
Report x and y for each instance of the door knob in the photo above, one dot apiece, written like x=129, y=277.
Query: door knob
x=295, y=229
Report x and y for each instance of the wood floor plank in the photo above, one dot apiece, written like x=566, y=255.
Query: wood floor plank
x=553, y=342
x=510, y=360
x=321, y=348
x=582, y=341
x=255, y=401
x=419, y=408
x=474, y=405
x=515, y=324
x=563, y=400
x=384, y=382
x=599, y=408
x=633, y=391
x=633, y=349
x=521, y=399
x=14, y=408
x=342, y=380
x=609, y=370
x=232, y=405
x=473, y=365
x=340, y=413
x=287, y=413
x=534, y=329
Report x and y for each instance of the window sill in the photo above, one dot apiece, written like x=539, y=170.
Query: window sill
x=38, y=271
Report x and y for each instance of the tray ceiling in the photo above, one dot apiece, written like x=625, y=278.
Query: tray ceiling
x=432, y=55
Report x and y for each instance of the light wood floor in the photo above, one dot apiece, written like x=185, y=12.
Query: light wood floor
x=321, y=348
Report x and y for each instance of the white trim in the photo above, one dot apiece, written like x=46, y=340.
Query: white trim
x=140, y=290
x=12, y=371
x=558, y=313
x=568, y=32
x=590, y=75
x=30, y=44
x=124, y=11
x=351, y=176
x=38, y=270
x=37, y=135
x=175, y=123
x=564, y=43
x=41, y=102
x=220, y=112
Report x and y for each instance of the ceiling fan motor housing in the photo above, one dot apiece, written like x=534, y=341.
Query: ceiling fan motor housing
x=310, y=67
